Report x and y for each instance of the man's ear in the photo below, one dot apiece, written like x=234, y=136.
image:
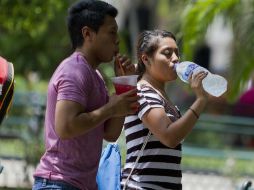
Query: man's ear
x=145, y=59
x=87, y=33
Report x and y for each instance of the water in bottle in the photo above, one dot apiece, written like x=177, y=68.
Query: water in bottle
x=214, y=84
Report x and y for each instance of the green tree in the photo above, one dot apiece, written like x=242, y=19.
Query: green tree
x=33, y=34
x=197, y=17
x=34, y=37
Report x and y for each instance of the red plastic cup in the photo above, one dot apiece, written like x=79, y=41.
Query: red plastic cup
x=125, y=83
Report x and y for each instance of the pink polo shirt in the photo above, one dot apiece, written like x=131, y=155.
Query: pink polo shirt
x=76, y=160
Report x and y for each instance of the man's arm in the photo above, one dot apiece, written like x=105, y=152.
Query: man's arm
x=114, y=125
x=71, y=120
x=113, y=128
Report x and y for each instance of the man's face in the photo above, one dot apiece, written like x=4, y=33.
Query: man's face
x=106, y=42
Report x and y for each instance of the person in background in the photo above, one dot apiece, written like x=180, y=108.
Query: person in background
x=244, y=107
x=79, y=113
x=159, y=166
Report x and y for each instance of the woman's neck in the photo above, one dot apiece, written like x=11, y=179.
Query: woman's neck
x=157, y=85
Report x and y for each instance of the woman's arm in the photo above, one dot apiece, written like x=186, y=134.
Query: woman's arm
x=168, y=132
x=172, y=133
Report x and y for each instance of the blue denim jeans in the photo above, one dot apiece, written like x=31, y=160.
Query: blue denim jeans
x=46, y=184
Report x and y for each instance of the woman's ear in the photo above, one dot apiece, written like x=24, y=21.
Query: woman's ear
x=145, y=59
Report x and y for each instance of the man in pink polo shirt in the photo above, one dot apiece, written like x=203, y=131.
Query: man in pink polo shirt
x=79, y=113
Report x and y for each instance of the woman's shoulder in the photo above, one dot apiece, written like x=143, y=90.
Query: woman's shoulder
x=147, y=93
x=145, y=88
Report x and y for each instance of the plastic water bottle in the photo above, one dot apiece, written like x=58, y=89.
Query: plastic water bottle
x=214, y=84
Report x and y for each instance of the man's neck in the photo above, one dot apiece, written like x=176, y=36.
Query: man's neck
x=91, y=60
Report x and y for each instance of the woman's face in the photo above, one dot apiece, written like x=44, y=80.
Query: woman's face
x=161, y=65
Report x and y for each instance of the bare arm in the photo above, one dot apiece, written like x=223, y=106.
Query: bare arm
x=71, y=119
x=172, y=133
x=113, y=126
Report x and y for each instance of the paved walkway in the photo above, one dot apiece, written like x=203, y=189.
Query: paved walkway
x=201, y=181
x=13, y=176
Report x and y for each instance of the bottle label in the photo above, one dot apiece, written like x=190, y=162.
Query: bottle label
x=189, y=71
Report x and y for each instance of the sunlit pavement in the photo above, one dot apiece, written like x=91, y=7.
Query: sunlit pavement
x=13, y=175
x=201, y=181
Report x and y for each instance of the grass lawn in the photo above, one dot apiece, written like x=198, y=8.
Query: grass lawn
x=13, y=148
x=228, y=167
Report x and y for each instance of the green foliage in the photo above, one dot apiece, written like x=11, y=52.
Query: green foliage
x=196, y=19
x=12, y=148
x=169, y=12
x=23, y=85
x=33, y=34
x=28, y=16
x=243, y=57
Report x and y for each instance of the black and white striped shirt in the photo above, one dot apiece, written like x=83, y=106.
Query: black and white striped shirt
x=159, y=166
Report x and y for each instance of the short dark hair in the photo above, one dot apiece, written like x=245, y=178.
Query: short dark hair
x=89, y=13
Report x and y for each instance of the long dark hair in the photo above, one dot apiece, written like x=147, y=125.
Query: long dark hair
x=148, y=42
